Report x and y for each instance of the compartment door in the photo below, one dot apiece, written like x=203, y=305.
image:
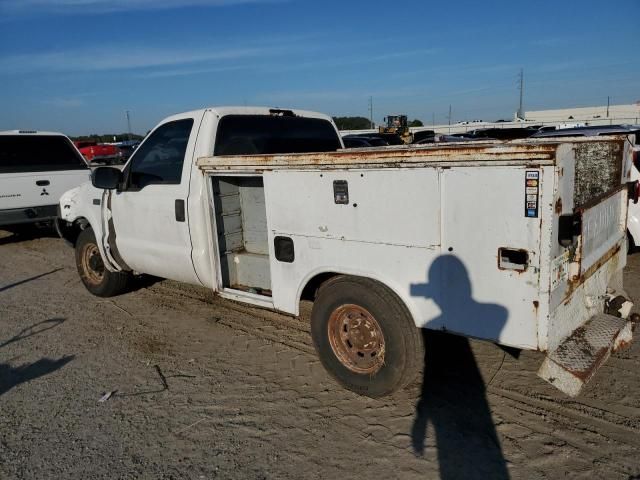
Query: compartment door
x=489, y=266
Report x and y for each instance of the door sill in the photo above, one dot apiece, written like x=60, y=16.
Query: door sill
x=246, y=297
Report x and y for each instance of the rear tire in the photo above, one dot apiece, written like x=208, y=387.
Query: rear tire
x=93, y=273
x=365, y=336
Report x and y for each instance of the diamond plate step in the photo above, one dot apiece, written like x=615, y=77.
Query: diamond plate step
x=576, y=360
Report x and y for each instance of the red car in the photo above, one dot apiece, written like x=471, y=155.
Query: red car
x=99, y=152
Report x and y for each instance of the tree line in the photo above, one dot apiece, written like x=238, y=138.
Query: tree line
x=108, y=137
x=363, y=123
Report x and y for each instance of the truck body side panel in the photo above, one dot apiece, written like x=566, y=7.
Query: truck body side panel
x=485, y=226
x=426, y=233
x=389, y=230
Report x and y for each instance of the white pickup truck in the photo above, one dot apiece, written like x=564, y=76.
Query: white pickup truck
x=35, y=169
x=519, y=243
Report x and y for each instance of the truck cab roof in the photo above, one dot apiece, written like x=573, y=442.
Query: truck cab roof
x=30, y=132
x=222, y=111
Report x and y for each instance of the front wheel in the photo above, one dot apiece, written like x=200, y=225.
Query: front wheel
x=93, y=273
x=365, y=336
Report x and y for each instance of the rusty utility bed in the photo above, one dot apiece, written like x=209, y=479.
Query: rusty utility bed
x=537, y=226
x=539, y=152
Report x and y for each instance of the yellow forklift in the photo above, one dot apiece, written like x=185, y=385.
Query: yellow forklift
x=396, y=125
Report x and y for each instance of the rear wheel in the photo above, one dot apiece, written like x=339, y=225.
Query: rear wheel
x=93, y=273
x=365, y=337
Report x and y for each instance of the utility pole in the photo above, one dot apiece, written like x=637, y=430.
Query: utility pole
x=128, y=124
x=433, y=121
x=371, y=112
x=608, y=98
x=521, y=88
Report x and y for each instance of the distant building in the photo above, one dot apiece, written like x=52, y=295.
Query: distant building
x=590, y=115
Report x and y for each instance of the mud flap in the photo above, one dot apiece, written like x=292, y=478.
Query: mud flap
x=576, y=360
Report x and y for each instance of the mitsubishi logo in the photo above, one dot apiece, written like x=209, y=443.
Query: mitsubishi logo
x=44, y=192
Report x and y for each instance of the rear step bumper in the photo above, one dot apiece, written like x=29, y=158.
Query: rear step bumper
x=576, y=360
x=17, y=216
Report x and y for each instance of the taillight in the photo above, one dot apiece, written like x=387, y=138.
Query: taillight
x=633, y=191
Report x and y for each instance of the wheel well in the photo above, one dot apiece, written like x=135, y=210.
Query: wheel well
x=70, y=231
x=310, y=290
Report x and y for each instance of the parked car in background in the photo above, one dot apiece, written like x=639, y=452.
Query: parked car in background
x=591, y=131
x=36, y=168
x=633, y=220
x=502, y=133
x=127, y=148
x=101, y=153
x=355, y=142
x=361, y=141
x=376, y=142
x=456, y=138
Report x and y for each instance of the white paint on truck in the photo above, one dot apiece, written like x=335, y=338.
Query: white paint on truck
x=517, y=242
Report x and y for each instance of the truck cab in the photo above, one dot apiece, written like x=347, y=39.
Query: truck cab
x=158, y=212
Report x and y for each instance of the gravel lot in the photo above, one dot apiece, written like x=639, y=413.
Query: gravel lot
x=205, y=388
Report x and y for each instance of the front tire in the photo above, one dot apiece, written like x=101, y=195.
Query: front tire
x=365, y=336
x=93, y=273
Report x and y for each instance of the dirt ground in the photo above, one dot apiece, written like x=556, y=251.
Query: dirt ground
x=206, y=388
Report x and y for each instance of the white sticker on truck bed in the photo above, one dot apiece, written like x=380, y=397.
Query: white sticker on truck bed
x=559, y=270
x=531, y=188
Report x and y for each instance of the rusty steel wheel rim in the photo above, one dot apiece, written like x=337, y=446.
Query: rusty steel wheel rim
x=92, y=264
x=356, y=339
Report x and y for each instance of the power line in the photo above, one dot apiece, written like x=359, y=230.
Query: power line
x=521, y=88
x=128, y=124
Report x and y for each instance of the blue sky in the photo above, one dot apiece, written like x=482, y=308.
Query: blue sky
x=76, y=65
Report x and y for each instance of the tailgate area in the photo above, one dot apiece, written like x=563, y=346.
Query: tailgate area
x=588, y=306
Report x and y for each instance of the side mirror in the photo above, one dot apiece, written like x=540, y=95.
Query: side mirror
x=106, y=177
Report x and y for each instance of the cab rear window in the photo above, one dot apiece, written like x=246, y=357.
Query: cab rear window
x=38, y=153
x=269, y=134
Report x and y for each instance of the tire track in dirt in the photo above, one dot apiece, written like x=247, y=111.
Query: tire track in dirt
x=618, y=430
x=592, y=415
x=580, y=438
x=578, y=419
x=585, y=438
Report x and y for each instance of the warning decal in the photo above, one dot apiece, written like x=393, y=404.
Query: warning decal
x=531, y=188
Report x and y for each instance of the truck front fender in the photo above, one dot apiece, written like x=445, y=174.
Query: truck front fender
x=80, y=209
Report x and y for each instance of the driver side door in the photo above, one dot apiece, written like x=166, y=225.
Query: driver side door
x=149, y=220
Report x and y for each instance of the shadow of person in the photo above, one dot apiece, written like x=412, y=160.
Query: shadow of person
x=13, y=376
x=453, y=397
x=30, y=279
x=35, y=329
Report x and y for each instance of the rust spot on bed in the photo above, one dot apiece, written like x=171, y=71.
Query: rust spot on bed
x=558, y=207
